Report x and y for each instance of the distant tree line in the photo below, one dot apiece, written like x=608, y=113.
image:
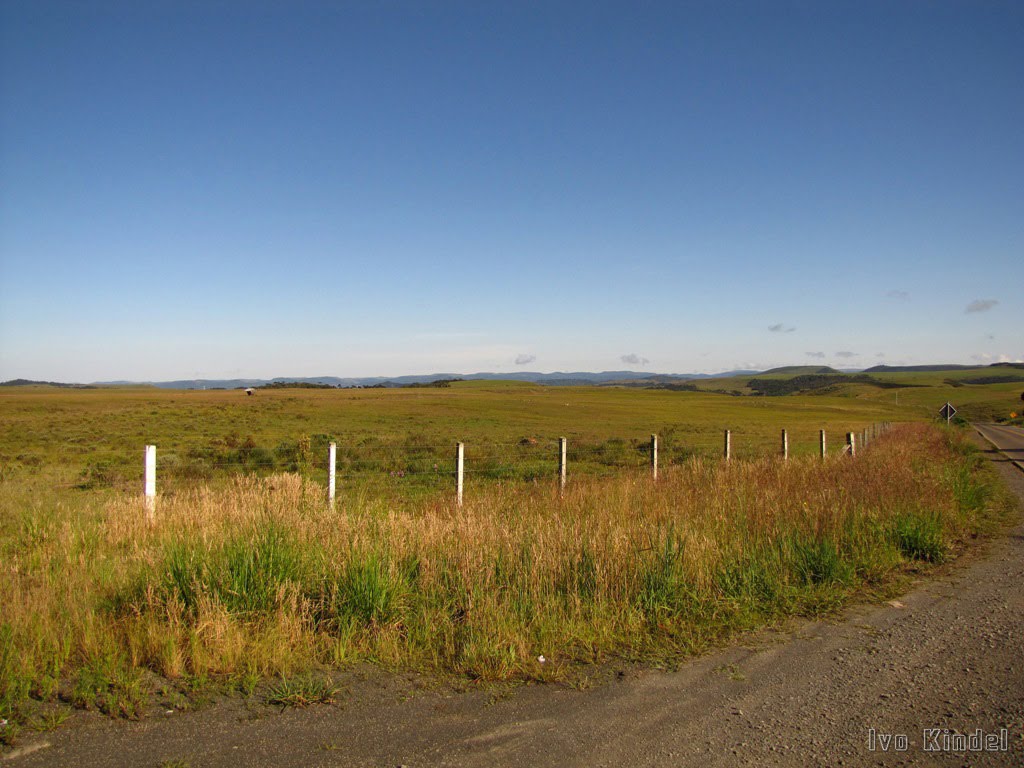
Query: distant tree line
x=294, y=385
x=812, y=382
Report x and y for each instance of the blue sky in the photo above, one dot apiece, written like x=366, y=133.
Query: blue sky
x=224, y=189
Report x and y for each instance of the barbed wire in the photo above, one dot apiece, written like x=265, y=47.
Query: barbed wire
x=110, y=465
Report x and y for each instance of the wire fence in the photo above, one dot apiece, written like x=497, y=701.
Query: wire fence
x=404, y=465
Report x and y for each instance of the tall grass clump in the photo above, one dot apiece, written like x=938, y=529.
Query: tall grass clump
x=259, y=579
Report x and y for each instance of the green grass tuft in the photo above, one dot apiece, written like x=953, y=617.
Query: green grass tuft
x=368, y=591
x=817, y=561
x=919, y=536
x=302, y=691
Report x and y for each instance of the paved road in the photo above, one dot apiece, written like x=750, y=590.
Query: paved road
x=1009, y=440
x=946, y=655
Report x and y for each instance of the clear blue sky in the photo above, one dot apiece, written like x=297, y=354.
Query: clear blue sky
x=218, y=189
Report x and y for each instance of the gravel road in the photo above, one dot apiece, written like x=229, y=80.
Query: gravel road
x=946, y=655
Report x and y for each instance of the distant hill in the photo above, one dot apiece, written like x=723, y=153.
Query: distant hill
x=802, y=370
x=919, y=368
x=31, y=383
x=559, y=378
x=574, y=378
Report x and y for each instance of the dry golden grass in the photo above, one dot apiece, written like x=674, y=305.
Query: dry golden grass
x=260, y=578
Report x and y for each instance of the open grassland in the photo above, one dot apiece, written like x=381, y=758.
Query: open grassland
x=397, y=440
x=246, y=576
x=256, y=578
x=979, y=394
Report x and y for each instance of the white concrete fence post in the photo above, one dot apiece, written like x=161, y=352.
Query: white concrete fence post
x=459, y=470
x=654, y=457
x=332, y=456
x=785, y=445
x=851, y=443
x=149, y=489
x=822, y=443
x=728, y=445
x=561, y=464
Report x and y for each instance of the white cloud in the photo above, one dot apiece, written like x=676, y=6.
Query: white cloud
x=985, y=357
x=634, y=359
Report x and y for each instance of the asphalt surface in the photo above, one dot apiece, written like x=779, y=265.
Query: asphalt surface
x=865, y=690
x=1009, y=440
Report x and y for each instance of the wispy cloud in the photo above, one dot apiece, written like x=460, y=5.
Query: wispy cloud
x=984, y=357
x=524, y=359
x=815, y=354
x=846, y=353
x=898, y=295
x=981, y=305
x=448, y=335
x=781, y=328
x=880, y=354
x=634, y=359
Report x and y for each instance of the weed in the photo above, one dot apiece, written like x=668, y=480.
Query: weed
x=50, y=720
x=919, y=536
x=816, y=561
x=970, y=492
x=302, y=691
x=664, y=590
x=109, y=684
x=367, y=591
x=254, y=570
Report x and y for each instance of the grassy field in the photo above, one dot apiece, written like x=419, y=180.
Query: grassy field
x=396, y=438
x=247, y=577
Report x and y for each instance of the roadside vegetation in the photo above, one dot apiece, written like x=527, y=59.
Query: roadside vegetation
x=253, y=584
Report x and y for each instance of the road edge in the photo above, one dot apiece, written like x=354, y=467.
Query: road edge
x=1019, y=465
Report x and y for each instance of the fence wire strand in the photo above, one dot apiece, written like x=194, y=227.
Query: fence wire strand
x=112, y=465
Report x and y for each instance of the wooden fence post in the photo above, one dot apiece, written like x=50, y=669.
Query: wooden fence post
x=459, y=466
x=728, y=444
x=785, y=445
x=561, y=464
x=332, y=456
x=822, y=443
x=654, y=457
x=149, y=489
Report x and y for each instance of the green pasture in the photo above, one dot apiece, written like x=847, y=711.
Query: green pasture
x=912, y=395
x=404, y=439
x=96, y=437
